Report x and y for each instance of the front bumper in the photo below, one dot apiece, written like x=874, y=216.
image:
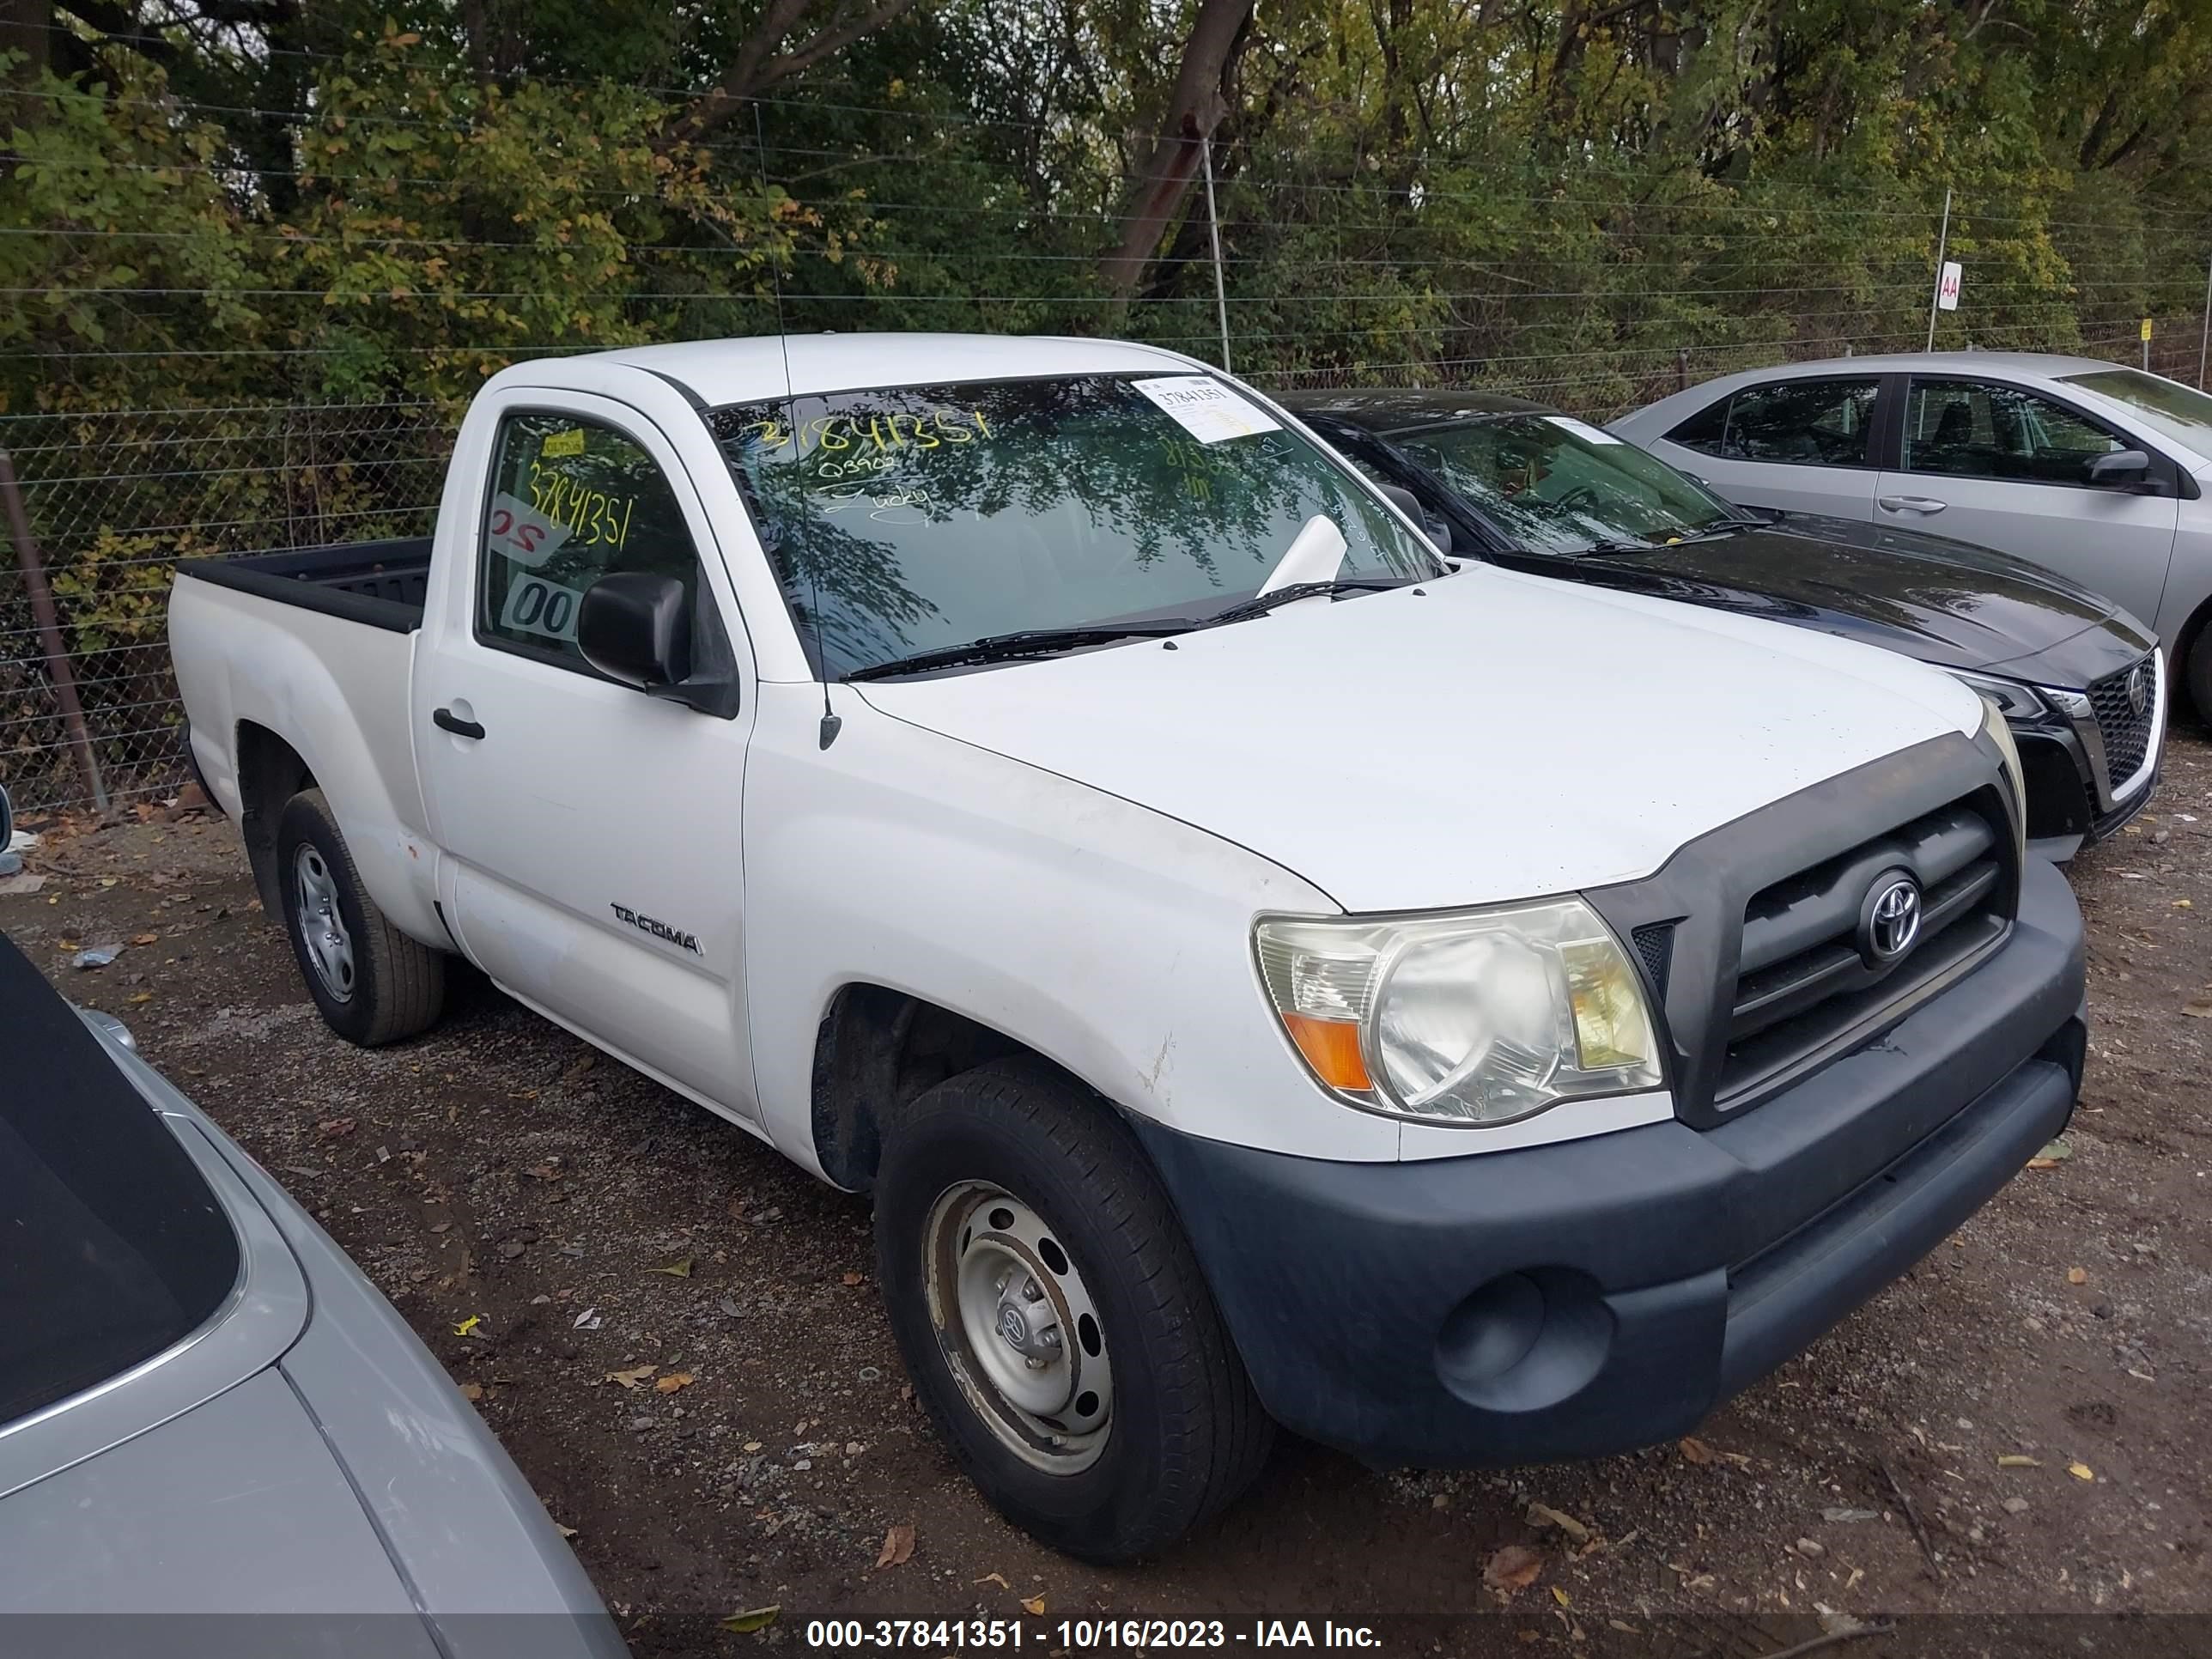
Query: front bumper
x=1597, y=1295
x=2065, y=810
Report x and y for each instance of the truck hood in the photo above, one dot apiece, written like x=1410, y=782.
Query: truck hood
x=1490, y=736
x=1940, y=600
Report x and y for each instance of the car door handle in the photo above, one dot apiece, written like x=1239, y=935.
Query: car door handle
x=446, y=720
x=1910, y=504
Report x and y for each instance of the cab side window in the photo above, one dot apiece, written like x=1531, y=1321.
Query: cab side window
x=1794, y=423
x=1972, y=430
x=572, y=500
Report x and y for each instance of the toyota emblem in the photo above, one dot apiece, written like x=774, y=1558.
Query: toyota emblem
x=2139, y=691
x=1889, y=924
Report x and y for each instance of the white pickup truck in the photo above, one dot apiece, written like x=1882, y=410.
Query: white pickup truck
x=1263, y=972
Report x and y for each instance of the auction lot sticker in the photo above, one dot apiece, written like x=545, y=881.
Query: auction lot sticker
x=1206, y=408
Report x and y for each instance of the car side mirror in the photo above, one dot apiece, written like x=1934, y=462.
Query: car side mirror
x=7, y=821
x=1434, y=525
x=2123, y=468
x=635, y=627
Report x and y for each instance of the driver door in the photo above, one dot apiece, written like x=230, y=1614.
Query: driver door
x=594, y=865
x=2006, y=468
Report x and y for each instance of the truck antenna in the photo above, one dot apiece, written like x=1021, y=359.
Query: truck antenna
x=831, y=720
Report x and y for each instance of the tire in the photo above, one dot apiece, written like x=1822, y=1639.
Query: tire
x=2197, y=673
x=373, y=984
x=987, y=1174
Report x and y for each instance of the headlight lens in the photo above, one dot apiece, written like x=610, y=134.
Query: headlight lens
x=2015, y=701
x=1480, y=1018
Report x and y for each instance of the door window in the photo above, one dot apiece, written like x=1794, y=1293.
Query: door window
x=1795, y=422
x=1972, y=430
x=571, y=501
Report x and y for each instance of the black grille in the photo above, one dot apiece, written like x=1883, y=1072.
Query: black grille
x=1654, y=943
x=1804, y=984
x=2126, y=733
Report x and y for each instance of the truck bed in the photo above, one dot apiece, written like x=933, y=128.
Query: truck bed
x=382, y=584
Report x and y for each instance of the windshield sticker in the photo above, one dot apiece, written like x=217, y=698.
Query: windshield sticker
x=1582, y=429
x=520, y=534
x=535, y=605
x=558, y=445
x=1206, y=408
x=598, y=518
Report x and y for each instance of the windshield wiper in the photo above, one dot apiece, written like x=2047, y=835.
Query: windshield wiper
x=1262, y=604
x=1029, y=642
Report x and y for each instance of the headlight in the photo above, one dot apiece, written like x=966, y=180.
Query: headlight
x=1479, y=1018
x=2015, y=701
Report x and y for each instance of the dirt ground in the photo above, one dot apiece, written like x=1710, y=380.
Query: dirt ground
x=2019, y=1425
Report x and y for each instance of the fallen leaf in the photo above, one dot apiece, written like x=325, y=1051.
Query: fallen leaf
x=855, y=1279
x=331, y=1128
x=1034, y=1604
x=146, y=939
x=898, y=1546
x=1513, y=1568
x=565, y=1532
x=1695, y=1451
x=2200, y=1009
x=1543, y=1515
x=143, y=996
x=472, y=1392
x=633, y=1377
x=2018, y=1460
x=1560, y=1596
x=2077, y=1275
x=674, y=1381
x=752, y=1619
x=997, y=1578
x=679, y=1268
x=2080, y=1472
x=576, y=1068
x=2056, y=1151
x=468, y=1327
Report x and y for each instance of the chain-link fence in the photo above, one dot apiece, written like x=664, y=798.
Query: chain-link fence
x=114, y=499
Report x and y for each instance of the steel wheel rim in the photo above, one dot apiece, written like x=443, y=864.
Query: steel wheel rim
x=1018, y=1327
x=321, y=924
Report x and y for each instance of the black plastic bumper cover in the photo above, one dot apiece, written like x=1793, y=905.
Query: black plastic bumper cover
x=1596, y=1295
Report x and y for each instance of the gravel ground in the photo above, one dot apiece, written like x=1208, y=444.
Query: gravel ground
x=759, y=1445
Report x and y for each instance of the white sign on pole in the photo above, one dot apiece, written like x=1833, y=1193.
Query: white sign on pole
x=1947, y=291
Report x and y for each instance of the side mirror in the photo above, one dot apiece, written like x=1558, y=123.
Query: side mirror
x=1434, y=525
x=7, y=824
x=2123, y=468
x=635, y=627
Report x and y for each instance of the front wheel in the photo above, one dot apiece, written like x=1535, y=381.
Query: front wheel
x=372, y=983
x=1054, y=1318
x=2197, y=673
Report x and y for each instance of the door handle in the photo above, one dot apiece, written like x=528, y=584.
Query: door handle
x=446, y=720
x=1910, y=504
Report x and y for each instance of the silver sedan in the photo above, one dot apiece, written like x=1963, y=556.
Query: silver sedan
x=209, y=1415
x=2092, y=469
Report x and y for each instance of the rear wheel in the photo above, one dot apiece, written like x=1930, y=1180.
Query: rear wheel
x=372, y=983
x=1054, y=1318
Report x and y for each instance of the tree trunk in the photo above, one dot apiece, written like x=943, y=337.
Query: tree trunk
x=1164, y=175
x=26, y=27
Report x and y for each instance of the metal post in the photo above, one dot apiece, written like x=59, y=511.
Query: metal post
x=1681, y=369
x=1214, y=229
x=2205, y=338
x=2146, y=345
x=1943, y=247
x=50, y=632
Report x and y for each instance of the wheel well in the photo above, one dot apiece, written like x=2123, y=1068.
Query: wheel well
x=877, y=1049
x=2185, y=644
x=270, y=773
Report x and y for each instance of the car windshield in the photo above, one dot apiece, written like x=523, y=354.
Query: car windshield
x=2180, y=412
x=111, y=1247
x=922, y=518
x=1554, y=484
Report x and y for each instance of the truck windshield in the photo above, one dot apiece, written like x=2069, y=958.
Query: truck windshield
x=1556, y=485
x=913, y=520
